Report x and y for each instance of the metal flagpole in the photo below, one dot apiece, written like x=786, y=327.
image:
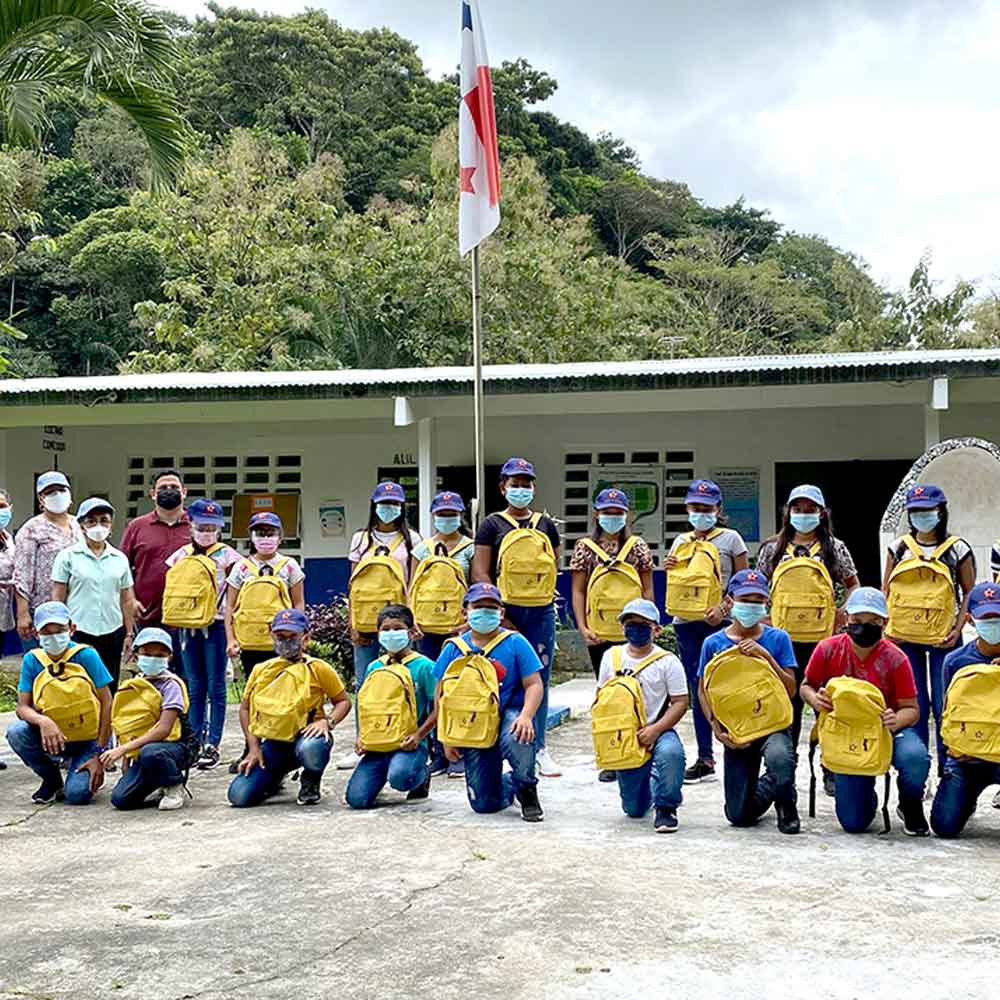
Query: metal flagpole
x=477, y=391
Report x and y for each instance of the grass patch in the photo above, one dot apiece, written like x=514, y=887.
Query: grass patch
x=8, y=694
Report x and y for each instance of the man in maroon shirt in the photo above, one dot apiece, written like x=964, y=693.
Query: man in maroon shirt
x=150, y=539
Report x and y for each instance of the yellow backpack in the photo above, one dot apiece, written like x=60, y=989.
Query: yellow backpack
x=64, y=693
x=746, y=695
x=387, y=705
x=922, y=595
x=970, y=723
x=138, y=706
x=617, y=715
x=469, y=705
x=611, y=586
x=526, y=565
x=257, y=602
x=438, y=589
x=281, y=699
x=695, y=584
x=377, y=580
x=802, y=599
x=191, y=594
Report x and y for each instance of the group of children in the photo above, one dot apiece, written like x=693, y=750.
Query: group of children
x=453, y=641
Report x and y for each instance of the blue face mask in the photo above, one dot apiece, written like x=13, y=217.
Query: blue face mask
x=393, y=640
x=152, y=666
x=804, y=523
x=924, y=520
x=5, y=515
x=988, y=629
x=520, y=497
x=702, y=521
x=611, y=523
x=748, y=614
x=447, y=525
x=485, y=620
x=54, y=644
x=388, y=512
x=639, y=634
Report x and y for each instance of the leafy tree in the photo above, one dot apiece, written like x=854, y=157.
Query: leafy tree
x=630, y=208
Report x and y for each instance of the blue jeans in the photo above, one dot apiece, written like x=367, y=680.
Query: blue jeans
x=490, y=790
x=203, y=652
x=659, y=780
x=364, y=657
x=403, y=769
x=159, y=765
x=690, y=638
x=749, y=793
x=26, y=741
x=538, y=626
x=955, y=801
x=311, y=753
x=928, y=660
x=856, y=796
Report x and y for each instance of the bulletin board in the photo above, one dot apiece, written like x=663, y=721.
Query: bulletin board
x=285, y=505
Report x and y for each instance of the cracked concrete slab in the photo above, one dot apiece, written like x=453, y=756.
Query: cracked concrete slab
x=429, y=900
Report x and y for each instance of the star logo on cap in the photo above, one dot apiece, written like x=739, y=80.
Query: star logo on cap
x=702, y=488
x=918, y=491
x=522, y=464
x=752, y=576
x=989, y=592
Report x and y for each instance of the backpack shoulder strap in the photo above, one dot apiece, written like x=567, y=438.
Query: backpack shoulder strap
x=648, y=661
x=496, y=640
x=944, y=546
x=914, y=546
x=461, y=645
x=409, y=658
x=461, y=547
x=251, y=567
x=616, y=658
x=535, y=521
x=598, y=551
x=630, y=543
x=714, y=533
x=512, y=521
x=212, y=549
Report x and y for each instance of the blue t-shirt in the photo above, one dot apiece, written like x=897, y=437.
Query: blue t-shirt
x=424, y=682
x=88, y=658
x=514, y=654
x=775, y=640
x=964, y=656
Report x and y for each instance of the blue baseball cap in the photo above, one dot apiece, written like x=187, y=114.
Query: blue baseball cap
x=924, y=496
x=704, y=491
x=518, y=467
x=447, y=501
x=807, y=492
x=867, y=599
x=266, y=517
x=482, y=592
x=290, y=620
x=51, y=612
x=388, y=491
x=611, y=498
x=641, y=608
x=749, y=581
x=91, y=504
x=984, y=599
x=208, y=512
x=160, y=635
x=53, y=478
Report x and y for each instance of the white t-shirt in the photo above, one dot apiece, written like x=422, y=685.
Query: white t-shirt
x=290, y=572
x=730, y=545
x=662, y=678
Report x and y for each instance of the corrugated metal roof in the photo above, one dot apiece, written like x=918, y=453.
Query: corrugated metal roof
x=674, y=373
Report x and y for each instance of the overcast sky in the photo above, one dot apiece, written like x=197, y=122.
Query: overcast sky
x=875, y=123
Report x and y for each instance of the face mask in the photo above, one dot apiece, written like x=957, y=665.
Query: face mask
x=152, y=666
x=638, y=634
x=748, y=614
x=611, y=523
x=865, y=634
x=388, y=512
x=924, y=520
x=988, y=629
x=485, y=620
x=58, y=503
x=520, y=497
x=703, y=522
x=169, y=498
x=393, y=640
x=447, y=525
x=289, y=649
x=54, y=644
x=266, y=545
x=805, y=523
x=5, y=515
x=205, y=538
x=98, y=532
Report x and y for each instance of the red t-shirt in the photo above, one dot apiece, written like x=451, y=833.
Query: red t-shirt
x=147, y=543
x=886, y=666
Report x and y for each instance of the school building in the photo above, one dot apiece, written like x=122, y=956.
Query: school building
x=313, y=444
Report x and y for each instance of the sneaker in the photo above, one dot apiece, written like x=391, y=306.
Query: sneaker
x=788, y=818
x=3, y=765
x=456, y=769
x=607, y=776
x=996, y=801
x=49, y=791
x=234, y=767
x=349, y=762
x=829, y=784
x=531, y=810
x=914, y=821
x=309, y=789
x=665, y=821
x=439, y=766
x=420, y=792
x=701, y=770
x=208, y=758
x=172, y=798
x=547, y=767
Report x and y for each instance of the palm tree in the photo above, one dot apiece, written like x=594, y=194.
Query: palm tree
x=118, y=50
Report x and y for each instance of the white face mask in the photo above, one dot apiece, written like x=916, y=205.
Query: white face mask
x=98, y=533
x=58, y=503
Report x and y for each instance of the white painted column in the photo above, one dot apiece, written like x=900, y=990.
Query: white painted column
x=426, y=471
x=932, y=412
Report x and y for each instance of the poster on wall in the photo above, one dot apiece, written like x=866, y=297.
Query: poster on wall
x=741, y=499
x=643, y=485
x=332, y=519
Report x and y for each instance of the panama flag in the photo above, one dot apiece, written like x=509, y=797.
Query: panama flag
x=478, y=156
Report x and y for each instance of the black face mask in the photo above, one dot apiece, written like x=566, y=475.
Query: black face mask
x=169, y=498
x=865, y=634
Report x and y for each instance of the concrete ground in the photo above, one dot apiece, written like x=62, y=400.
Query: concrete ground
x=429, y=900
